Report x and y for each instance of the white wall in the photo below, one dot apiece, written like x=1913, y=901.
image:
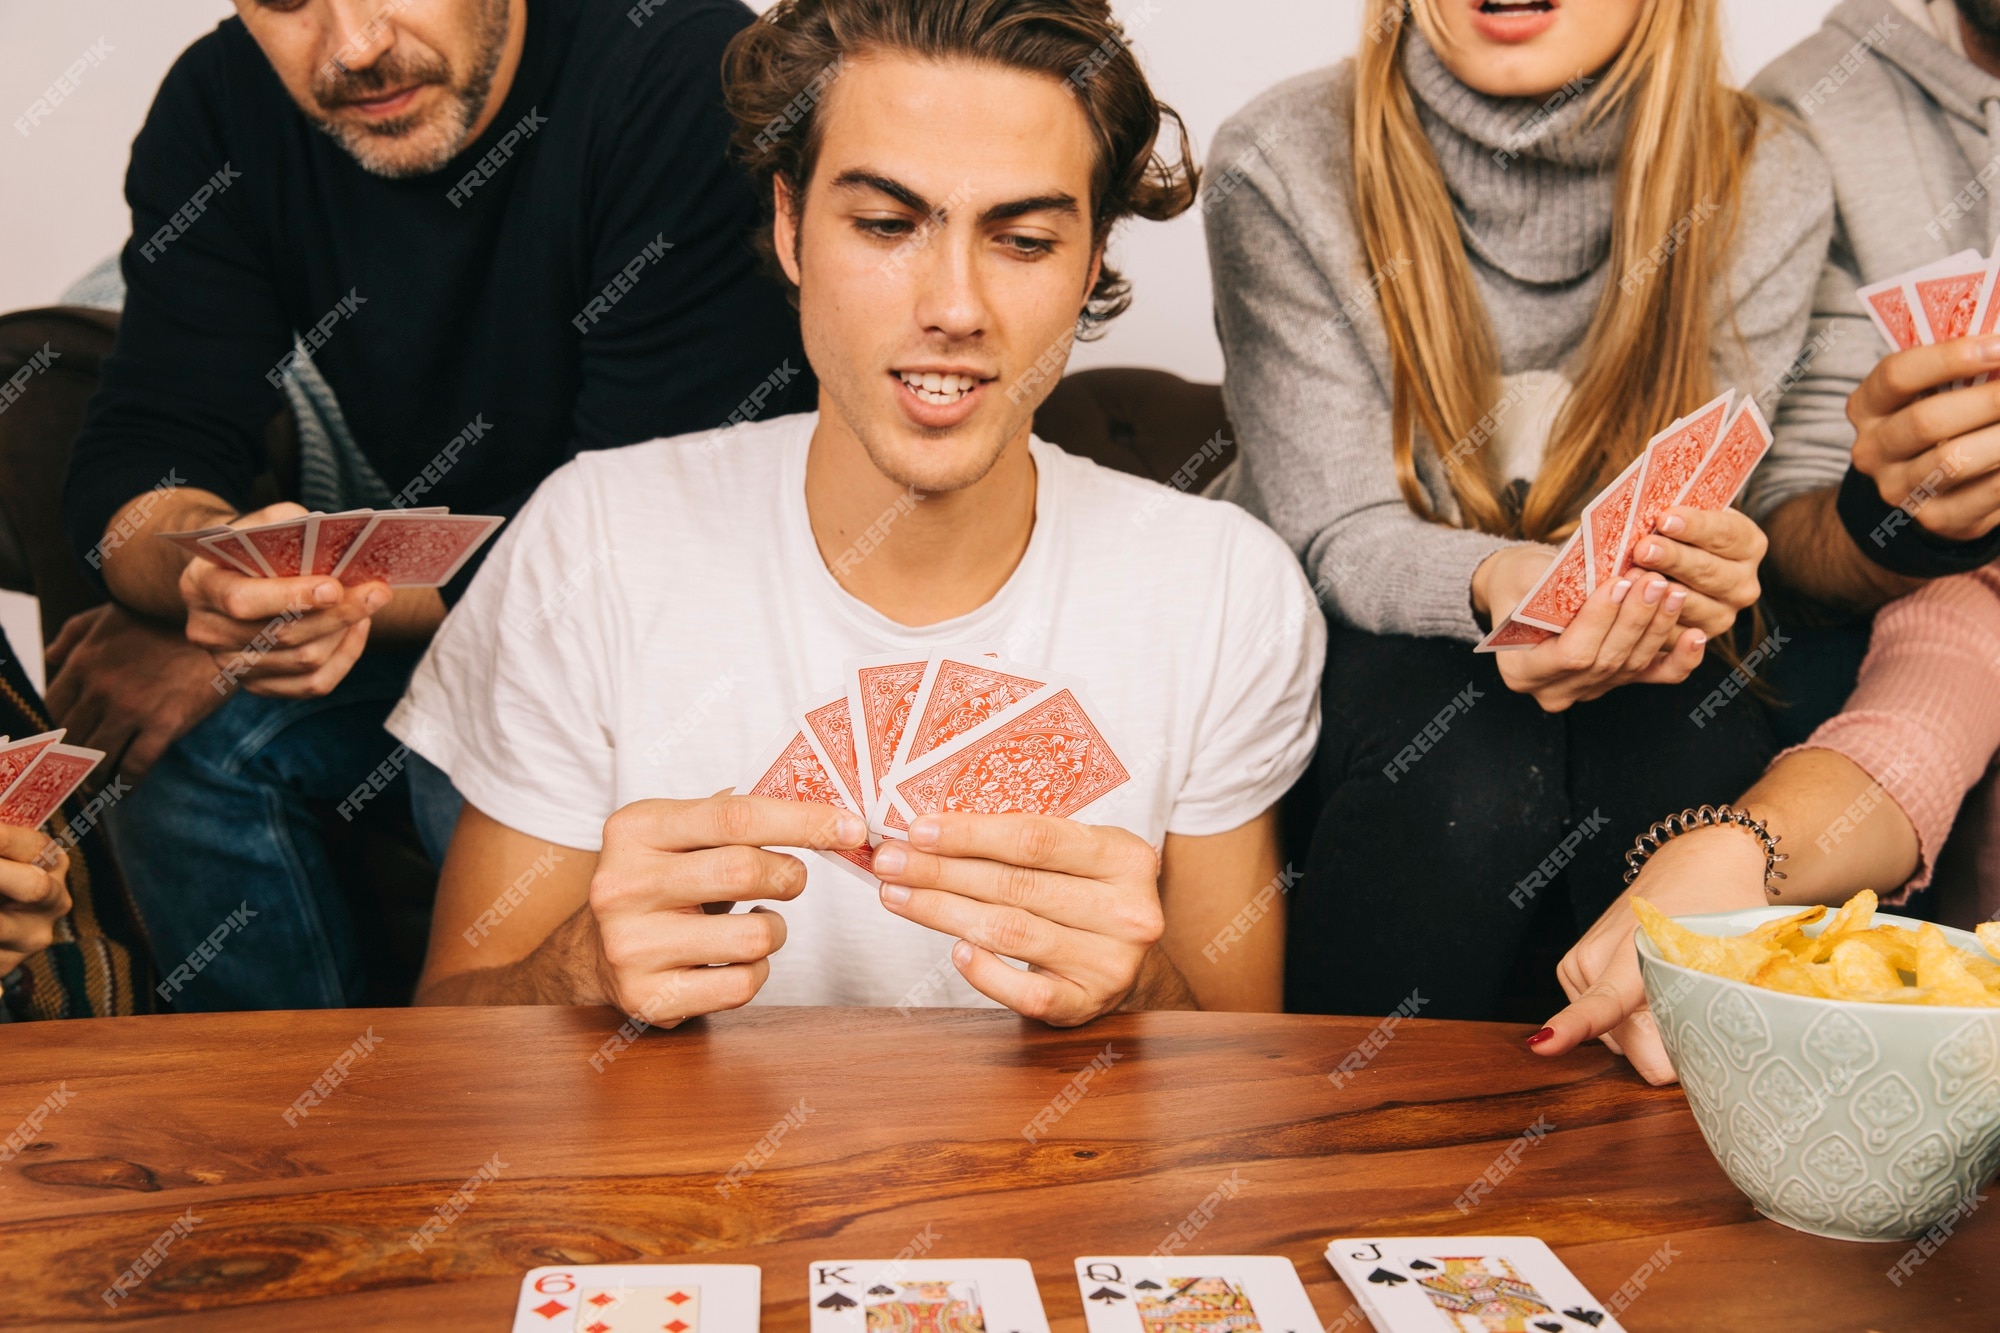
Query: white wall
x=61, y=207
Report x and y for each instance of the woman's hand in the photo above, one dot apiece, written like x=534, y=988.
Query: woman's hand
x=1714, y=554
x=34, y=893
x=1628, y=632
x=1716, y=869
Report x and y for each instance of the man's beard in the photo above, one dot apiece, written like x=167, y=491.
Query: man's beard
x=1983, y=17
x=421, y=142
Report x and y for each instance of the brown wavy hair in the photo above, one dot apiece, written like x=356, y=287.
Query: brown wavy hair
x=1645, y=358
x=778, y=70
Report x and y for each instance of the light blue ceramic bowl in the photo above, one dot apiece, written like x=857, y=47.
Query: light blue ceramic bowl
x=1845, y=1119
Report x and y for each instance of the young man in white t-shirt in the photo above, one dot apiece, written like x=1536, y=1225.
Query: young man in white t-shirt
x=644, y=627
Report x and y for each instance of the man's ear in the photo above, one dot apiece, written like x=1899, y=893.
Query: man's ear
x=785, y=227
x=1096, y=267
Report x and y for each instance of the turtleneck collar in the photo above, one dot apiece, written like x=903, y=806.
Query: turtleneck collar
x=1533, y=185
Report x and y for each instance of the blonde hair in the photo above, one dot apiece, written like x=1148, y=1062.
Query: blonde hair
x=1645, y=357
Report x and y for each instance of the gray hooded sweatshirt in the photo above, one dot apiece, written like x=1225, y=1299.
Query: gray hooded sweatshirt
x=1908, y=127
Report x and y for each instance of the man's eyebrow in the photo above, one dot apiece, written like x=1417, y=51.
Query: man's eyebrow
x=1057, y=202
x=1041, y=203
x=868, y=180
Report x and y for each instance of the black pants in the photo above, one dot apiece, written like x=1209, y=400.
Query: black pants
x=1465, y=838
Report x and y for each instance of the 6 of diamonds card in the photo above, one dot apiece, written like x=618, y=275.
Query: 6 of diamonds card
x=924, y=1296
x=628, y=1298
x=1207, y=1293
x=1466, y=1284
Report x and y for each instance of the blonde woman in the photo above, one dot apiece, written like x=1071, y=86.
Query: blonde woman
x=1459, y=280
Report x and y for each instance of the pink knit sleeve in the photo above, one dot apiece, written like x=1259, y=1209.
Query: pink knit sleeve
x=1924, y=720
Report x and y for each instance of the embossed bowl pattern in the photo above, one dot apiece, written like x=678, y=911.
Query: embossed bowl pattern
x=1840, y=1118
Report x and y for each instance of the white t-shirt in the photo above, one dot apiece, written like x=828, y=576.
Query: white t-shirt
x=647, y=624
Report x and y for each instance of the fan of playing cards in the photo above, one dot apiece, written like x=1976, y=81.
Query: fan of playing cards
x=38, y=774
x=404, y=548
x=961, y=729
x=1700, y=461
x=1952, y=298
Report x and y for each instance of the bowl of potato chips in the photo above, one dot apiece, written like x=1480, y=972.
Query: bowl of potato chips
x=1844, y=1067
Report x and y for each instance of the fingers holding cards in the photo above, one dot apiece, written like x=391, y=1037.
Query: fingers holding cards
x=404, y=548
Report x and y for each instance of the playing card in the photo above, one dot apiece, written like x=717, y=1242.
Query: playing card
x=794, y=770
x=1559, y=593
x=1671, y=460
x=227, y=547
x=329, y=536
x=1511, y=636
x=924, y=1296
x=1603, y=524
x=1889, y=306
x=407, y=550
x=280, y=546
x=17, y=757
x=1729, y=464
x=47, y=783
x=1045, y=755
x=190, y=541
x=1209, y=1293
x=961, y=690
x=1943, y=301
x=880, y=693
x=1466, y=1284
x=829, y=723
x=631, y=1298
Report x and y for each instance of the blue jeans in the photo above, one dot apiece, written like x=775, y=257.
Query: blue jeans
x=221, y=849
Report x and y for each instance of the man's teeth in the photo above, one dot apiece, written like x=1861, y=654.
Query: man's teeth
x=935, y=388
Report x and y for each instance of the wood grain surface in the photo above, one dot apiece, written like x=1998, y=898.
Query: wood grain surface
x=907, y=1130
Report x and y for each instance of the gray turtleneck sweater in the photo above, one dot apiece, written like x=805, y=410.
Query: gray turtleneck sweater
x=1307, y=361
x=1910, y=129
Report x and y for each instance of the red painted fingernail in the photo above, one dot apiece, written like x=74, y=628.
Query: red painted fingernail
x=1541, y=1036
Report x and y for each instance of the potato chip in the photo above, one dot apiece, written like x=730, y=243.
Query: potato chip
x=1858, y=968
x=1850, y=959
x=1942, y=971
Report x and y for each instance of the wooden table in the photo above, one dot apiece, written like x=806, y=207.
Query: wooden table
x=908, y=1130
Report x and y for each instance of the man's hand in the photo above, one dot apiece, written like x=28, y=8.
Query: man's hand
x=34, y=893
x=1627, y=632
x=1079, y=903
x=1714, y=555
x=288, y=638
x=659, y=955
x=129, y=687
x=1939, y=450
x=1706, y=870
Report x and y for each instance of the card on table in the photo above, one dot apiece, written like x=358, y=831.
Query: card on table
x=880, y=692
x=1046, y=755
x=924, y=1296
x=46, y=784
x=1206, y=1293
x=640, y=1298
x=1466, y=1284
x=794, y=770
x=411, y=550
